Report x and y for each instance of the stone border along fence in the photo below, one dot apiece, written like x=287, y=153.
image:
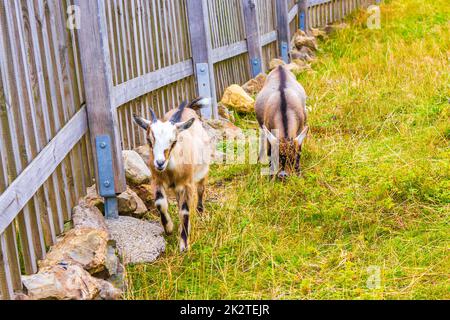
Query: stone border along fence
x=121, y=57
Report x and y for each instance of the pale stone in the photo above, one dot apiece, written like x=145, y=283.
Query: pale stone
x=145, y=193
x=331, y=28
x=300, y=40
x=305, y=54
x=224, y=113
x=68, y=282
x=92, y=199
x=298, y=66
x=21, y=296
x=221, y=131
x=129, y=203
x=86, y=216
x=84, y=247
x=144, y=152
x=319, y=34
x=136, y=170
x=255, y=85
x=276, y=63
x=235, y=97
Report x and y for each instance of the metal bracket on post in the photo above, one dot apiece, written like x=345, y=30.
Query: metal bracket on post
x=256, y=67
x=204, y=86
x=301, y=20
x=106, y=176
x=285, y=51
x=303, y=14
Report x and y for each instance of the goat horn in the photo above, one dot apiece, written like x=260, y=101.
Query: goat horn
x=177, y=115
x=154, y=117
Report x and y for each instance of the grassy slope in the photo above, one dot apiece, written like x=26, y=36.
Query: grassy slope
x=374, y=191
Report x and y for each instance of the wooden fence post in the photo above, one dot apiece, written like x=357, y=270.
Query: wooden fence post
x=253, y=37
x=303, y=16
x=283, y=29
x=102, y=116
x=200, y=36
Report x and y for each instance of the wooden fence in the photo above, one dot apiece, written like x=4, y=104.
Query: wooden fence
x=126, y=55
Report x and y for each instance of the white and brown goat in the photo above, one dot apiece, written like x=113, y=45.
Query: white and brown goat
x=281, y=112
x=179, y=160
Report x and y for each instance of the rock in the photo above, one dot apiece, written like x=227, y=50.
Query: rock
x=225, y=113
x=236, y=98
x=68, y=282
x=114, y=271
x=144, y=152
x=308, y=51
x=319, y=34
x=92, y=199
x=331, y=28
x=130, y=204
x=136, y=171
x=305, y=54
x=21, y=296
x=300, y=32
x=301, y=63
x=107, y=291
x=255, y=85
x=90, y=217
x=117, y=275
x=84, y=247
x=220, y=129
x=145, y=193
x=275, y=63
x=138, y=241
x=301, y=40
x=298, y=66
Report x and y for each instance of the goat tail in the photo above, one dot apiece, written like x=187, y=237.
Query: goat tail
x=199, y=103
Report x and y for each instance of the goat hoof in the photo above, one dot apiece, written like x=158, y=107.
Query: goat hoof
x=169, y=229
x=183, y=247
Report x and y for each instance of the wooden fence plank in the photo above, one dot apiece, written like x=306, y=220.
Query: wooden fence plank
x=13, y=256
x=253, y=37
x=229, y=51
x=269, y=38
x=5, y=271
x=303, y=15
x=37, y=172
x=283, y=29
x=200, y=36
x=137, y=87
x=102, y=116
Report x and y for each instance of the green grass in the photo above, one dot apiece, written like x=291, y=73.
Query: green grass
x=375, y=189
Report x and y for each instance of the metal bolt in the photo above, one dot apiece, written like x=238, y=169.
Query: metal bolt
x=107, y=184
x=202, y=69
x=255, y=62
x=103, y=145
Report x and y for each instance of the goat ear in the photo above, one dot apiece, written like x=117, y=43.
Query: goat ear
x=302, y=136
x=269, y=135
x=141, y=122
x=185, y=125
